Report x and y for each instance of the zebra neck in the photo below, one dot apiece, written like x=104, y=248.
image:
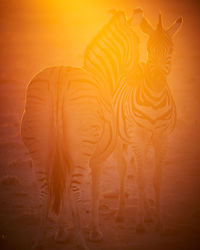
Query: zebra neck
x=156, y=83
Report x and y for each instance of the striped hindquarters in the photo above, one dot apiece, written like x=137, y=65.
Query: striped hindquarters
x=41, y=129
x=88, y=116
x=65, y=106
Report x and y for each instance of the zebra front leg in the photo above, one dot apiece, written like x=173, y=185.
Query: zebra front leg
x=44, y=208
x=157, y=185
x=75, y=197
x=147, y=212
x=121, y=166
x=160, y=152
x=95, y=232
x=140, y=227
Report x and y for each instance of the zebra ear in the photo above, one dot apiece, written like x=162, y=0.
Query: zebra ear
x=175, y=26
x=136, y=17
x=146, y=27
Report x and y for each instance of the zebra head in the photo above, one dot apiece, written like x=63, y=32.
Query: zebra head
x=160, y=45
x=136, y=17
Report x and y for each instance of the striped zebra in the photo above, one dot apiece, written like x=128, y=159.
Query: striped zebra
x=113, y=53
x=141, y=96
x=68, y=124
x=146, y=112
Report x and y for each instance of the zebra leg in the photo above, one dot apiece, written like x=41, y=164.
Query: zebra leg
x=62, y=234
x=157, y=184
x=139, y=148
x=77, y=178
x=95, y=232
x=147, y=211
x=140, y=227
x=121, y=166
x=44, y=208
x=160, y=152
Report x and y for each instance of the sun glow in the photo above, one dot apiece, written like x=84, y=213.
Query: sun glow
x=36, y=36
x=77, y=22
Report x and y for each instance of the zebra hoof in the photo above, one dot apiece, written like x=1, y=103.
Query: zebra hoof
x=148, y=218
x=82, y=247
x=140, y=228
x=37, y=245
x=61, y=236
x=119, y=217
x=95, y=235
x=169, y=231
x=159, y=227
x=80, y=242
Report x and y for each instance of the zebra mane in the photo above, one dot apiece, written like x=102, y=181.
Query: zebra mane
x=112, y=52
x=116, y=16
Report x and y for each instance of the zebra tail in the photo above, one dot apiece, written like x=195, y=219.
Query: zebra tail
x=58, y=169
x=57, y=180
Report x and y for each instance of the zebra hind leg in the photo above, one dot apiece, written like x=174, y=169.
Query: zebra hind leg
x=148, y=215
x=62, y=233
x=75, y=197
x=95, y=231
x=121, y=166
x=44, y=209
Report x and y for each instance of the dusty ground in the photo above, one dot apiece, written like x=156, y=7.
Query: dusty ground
x=32, y=40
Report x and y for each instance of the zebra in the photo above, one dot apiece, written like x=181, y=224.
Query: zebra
x=68, y=124
x=146, y=114
x=113, y=53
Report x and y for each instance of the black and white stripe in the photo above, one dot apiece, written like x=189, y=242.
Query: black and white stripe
x=112, y=52
x=146, y=112
x=142, y=105
x=67, y=121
